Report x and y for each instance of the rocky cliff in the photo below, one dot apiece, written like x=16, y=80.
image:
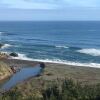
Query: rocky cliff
x=5, y=71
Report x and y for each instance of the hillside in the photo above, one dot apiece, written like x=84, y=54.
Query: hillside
x=5, y=71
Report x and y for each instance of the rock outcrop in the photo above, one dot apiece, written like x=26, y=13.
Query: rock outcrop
x=13, y=54
x=5, y=71
x=42, y=65
x=1, y=45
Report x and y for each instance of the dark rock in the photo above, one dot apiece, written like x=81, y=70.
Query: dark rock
x=13, y=54
x=13, y=69
x=1, y=45
x=38, y=75
x=42, y=65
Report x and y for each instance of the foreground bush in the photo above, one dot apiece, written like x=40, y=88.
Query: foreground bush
x=60, y=90
x=69, y=90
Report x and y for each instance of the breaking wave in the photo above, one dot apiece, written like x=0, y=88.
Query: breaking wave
x=22, y=57
x=57, y=61
x=6, y=46
x=1, y=33
x=92, y=52
x=62, y=47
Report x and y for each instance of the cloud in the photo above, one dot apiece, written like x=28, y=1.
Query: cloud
x=48, y=4
x=82, y=3
x=29, y=4
x=49, y=10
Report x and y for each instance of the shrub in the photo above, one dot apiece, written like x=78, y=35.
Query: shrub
x=60, y=90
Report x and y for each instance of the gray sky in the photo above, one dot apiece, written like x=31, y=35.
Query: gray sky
x=49, y=9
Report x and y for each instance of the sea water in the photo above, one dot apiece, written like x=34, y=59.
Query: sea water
x=68, y=42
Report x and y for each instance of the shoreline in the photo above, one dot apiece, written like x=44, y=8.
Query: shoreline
x=53, y=71
x=77, y=70
x=15, y=57
x=26, y=63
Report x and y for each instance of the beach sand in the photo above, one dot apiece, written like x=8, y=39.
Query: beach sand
x=53, y=71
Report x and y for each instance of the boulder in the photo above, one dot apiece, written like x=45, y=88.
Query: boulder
x=42, y=65
x=1, y=45
x=13, y=54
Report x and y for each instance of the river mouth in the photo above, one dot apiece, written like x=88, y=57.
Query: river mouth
x=23, y=74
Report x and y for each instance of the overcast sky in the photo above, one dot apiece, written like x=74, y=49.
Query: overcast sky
x=49, y=9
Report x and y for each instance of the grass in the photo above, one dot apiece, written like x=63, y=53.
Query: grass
x=66, y=89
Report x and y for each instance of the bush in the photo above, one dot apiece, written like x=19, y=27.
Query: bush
x=69, y=90
x=60, y=90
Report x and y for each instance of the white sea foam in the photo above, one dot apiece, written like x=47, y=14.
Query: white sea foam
x=95, y=65
x=1, y=33
x=6, y=46
x=12, y=40
x=62, y=47
x=22, y=57
x=4, y=52
x=57, y=61
x=93, y=52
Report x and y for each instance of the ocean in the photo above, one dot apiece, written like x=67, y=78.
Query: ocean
x=66, y=42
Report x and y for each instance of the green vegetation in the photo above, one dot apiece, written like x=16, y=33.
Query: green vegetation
x=65, y=89
x=69, y=90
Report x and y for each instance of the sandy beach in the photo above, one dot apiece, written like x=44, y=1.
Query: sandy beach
x=53, y=71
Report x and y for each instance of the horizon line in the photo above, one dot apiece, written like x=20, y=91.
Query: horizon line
x=44, y=20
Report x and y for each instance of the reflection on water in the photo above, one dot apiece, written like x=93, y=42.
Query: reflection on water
x=23, y=74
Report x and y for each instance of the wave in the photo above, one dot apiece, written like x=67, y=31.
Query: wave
x=6, y=46
x=1, y=33
x=2, y=52
x=92, y=52
x=57, y=61
x=12, y=40
x=62, y=47
x=22, y=57
x=48, y=46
